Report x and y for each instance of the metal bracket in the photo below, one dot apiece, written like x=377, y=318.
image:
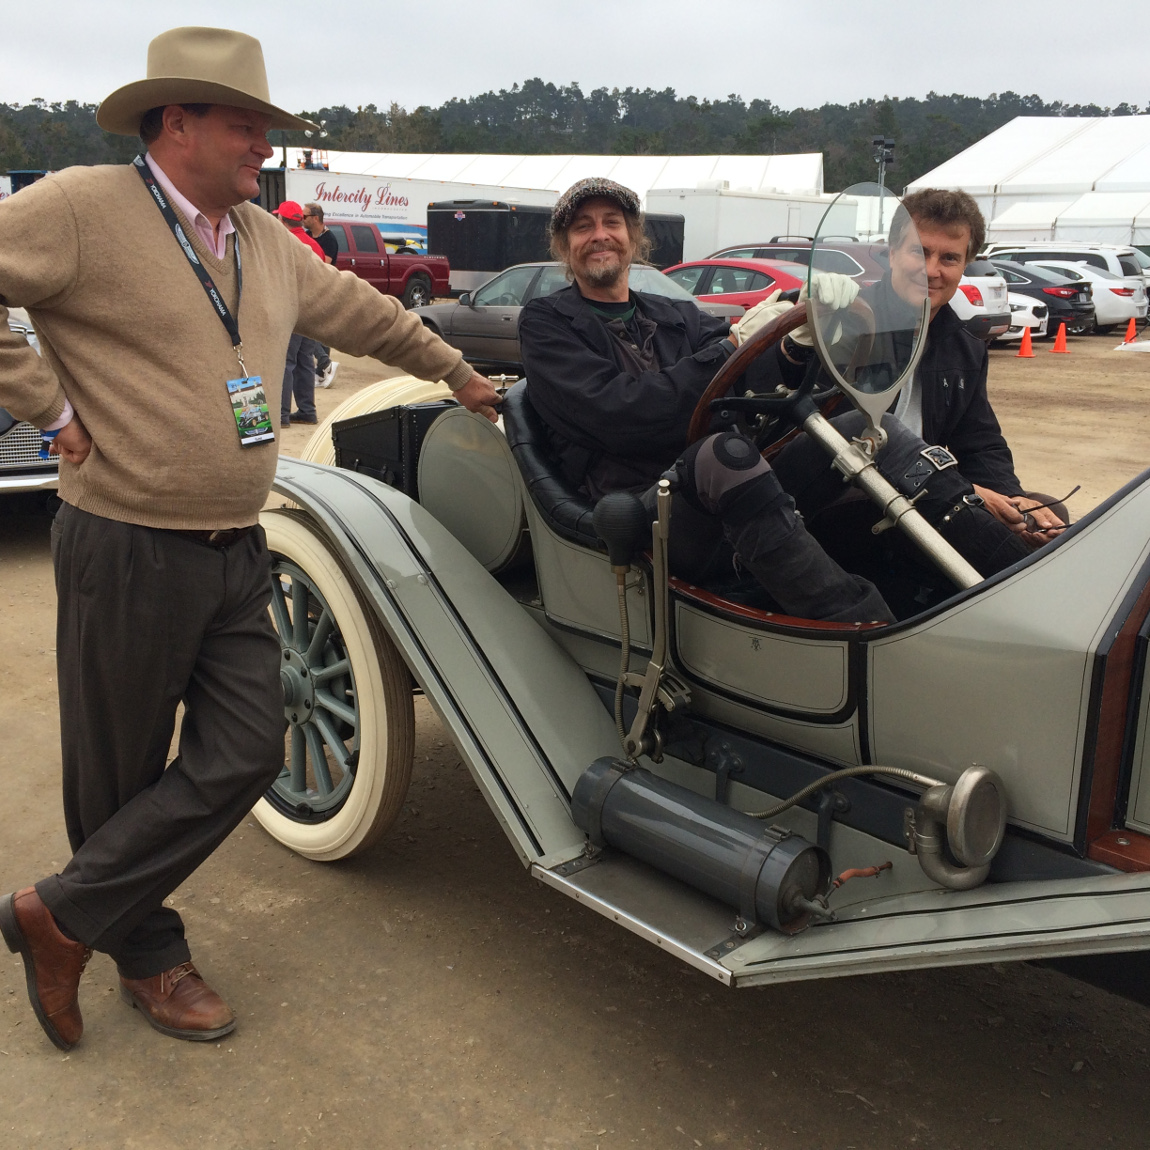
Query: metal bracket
x=909, y=829
x=831, y=803
x=656, y=686
x=589, y=858
x=726, y=763
x=743, y=932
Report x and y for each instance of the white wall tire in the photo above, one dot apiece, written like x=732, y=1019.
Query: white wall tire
x=348, y=705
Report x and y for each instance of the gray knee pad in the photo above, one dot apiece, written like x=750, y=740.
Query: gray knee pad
x=718, y=470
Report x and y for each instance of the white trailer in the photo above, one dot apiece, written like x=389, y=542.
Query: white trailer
x=398, y=206
x=716, y=217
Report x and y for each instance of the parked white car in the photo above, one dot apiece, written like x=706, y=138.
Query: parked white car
x=1119, y=259
x=1025, y=313
x=1117, y=299
x=981, y=301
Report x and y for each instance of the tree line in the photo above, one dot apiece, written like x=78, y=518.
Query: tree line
x=541, y=118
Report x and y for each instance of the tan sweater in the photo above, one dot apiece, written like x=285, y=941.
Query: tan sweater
x=130, y=337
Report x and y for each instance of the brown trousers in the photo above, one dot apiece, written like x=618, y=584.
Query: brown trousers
x=147, y=619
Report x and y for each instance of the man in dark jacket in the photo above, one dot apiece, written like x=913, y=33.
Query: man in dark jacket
x=615, y=376
x=947, y=402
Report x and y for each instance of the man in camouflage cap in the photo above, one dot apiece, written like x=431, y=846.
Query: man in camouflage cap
x=615, y=375
x=591, y=188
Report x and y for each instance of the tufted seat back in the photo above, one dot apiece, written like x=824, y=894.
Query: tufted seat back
x=562, y=508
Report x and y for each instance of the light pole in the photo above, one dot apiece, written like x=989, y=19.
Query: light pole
x=322, y=135
x=884, y=157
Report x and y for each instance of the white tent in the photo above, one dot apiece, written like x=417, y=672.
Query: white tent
x=1057, y=177
x=1096, y=216
x=800, y=174
x=1028, y=221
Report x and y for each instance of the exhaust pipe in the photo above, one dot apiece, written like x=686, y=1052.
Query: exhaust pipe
x=767, y=874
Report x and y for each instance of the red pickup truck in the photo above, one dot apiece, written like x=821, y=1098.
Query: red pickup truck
x=416, y=279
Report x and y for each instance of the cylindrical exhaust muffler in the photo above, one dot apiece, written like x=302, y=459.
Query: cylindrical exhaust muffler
x=767, y=874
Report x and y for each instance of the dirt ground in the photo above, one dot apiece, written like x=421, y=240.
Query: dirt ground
x=430, y=994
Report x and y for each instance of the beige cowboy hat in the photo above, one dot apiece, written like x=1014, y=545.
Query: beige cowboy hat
x=196, y=66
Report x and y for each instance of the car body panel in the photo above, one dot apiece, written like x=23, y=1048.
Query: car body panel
x=981, y=301
x=1025, y=314
x=1119, y=259
x=745, y=282
x=1139, y=811
x=1110, y=306
x=1068, y=597
x=1025, y=279
x=524, y=717
x=21, y=468
x=865, y=262
x=366, y=252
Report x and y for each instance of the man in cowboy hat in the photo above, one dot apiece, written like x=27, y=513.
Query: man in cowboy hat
x=161, y=323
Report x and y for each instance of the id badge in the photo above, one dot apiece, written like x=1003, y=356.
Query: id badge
x=250, y=407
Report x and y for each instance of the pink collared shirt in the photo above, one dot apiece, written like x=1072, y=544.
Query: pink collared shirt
x=216, y=241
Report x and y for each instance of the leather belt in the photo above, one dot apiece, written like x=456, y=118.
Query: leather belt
x=218, y=539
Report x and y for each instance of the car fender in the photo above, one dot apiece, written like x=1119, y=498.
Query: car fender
x=523, y=716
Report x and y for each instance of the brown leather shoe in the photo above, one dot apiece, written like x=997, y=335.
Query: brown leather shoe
x=180, y=1004
x=53, y=964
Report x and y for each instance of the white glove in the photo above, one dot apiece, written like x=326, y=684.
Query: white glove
x=834, y=291
x=759, y=316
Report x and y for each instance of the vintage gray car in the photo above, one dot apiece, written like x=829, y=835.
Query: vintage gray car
x=767, y=798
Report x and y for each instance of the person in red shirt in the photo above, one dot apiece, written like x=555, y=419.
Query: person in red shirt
x=299, y=369
x=291, y=216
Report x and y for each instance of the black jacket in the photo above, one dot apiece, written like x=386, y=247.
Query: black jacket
x=956, y=411
x=611, y=429
x=951, y=376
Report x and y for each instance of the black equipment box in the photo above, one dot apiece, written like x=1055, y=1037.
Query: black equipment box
x=386, y=444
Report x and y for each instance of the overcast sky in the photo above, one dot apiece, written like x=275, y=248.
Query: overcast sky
x=796, y=53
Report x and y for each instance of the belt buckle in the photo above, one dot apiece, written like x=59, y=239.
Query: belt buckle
x=214, y=536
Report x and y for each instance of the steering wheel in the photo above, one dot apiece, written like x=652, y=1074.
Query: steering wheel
x=786, y=404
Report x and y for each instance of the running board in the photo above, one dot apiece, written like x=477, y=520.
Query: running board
x=999, y=922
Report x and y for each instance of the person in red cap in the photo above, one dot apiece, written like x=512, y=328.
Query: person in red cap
x=291, y=216
x=299, y=368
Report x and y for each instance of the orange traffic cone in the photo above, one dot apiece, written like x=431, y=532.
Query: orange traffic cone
x=1060, y=340
x=1025, y=350
x=1131, y=331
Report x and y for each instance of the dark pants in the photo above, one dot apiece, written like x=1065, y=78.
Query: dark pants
x=792, y=566
x=299, y=377
x=322, y=357
x=147, y=619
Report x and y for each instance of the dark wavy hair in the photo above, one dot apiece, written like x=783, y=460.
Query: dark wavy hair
x=946, y=210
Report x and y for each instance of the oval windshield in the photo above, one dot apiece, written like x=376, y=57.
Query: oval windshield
x=869, y=336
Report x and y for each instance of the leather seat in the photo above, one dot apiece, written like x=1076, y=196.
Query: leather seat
x=562, y=508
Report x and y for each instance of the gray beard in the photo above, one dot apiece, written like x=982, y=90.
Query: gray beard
x=604, y=276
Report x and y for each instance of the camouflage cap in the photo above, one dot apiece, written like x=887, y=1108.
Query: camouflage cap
x=589, y=189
